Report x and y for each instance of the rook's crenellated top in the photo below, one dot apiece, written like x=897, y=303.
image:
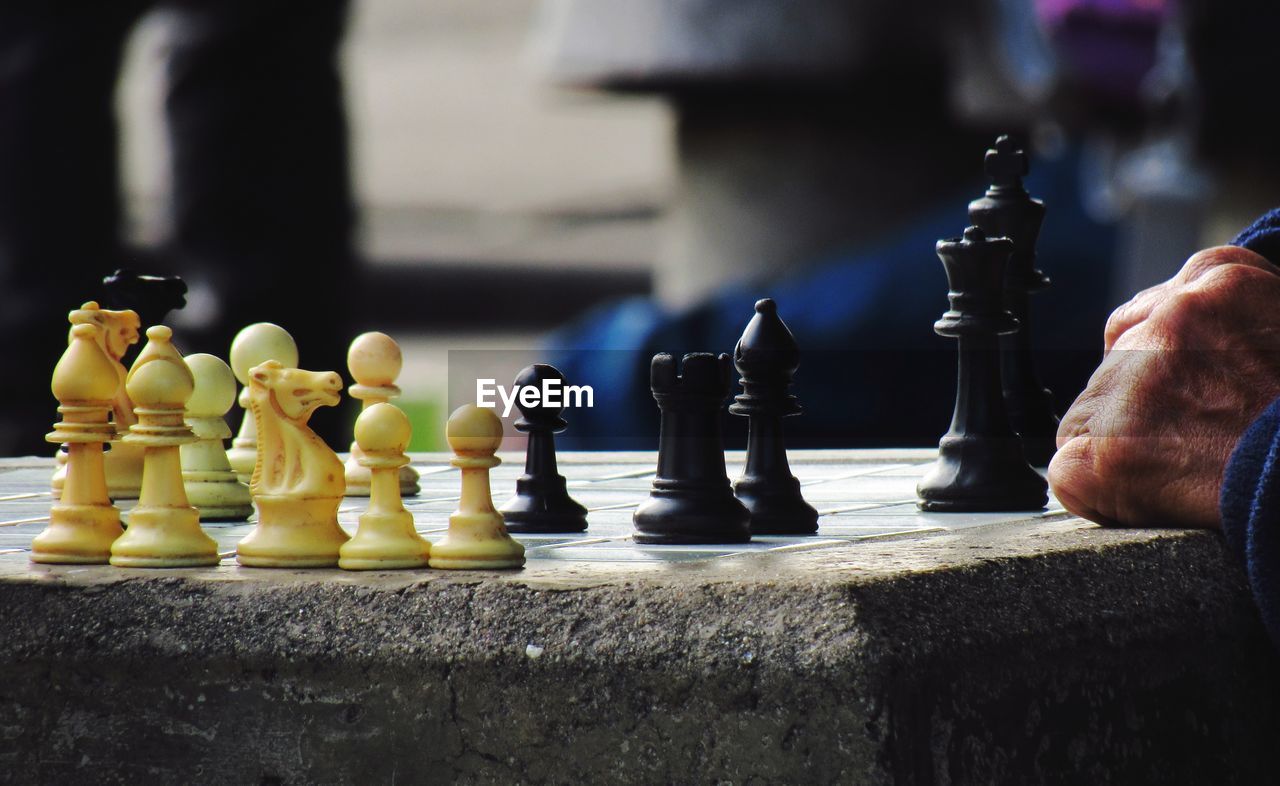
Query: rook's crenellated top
x=699, y=374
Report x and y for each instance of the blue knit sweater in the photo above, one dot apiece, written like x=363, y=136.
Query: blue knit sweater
x=1250, y=502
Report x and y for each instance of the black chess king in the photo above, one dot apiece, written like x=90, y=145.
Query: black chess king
x=981, y=465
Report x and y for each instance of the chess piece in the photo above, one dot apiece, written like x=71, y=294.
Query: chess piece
x=691, y=501
x=152, y=297
x=374, y=361
x=117, y=331
x=980, y=466
x=210, y=483
x=82, y=522
x=767, y=357
x=253, y=345
x=297, y=481
x=386, y=537
x=477, y=537
x=164, y=529
x=1007, y=210
x=542, y=502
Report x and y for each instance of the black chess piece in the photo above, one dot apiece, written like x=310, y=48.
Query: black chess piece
x=981, y=465
x=542, y=503
x=767, y=357
x=691, y=501
x=153, y=297
x=1007, y=210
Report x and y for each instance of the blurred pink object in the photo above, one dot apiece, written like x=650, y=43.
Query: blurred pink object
x=1106, y=46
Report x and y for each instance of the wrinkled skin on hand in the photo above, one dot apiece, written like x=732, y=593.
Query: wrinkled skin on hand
x=1189, y=364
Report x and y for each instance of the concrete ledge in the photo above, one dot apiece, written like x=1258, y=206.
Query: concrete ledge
x=1054, y=653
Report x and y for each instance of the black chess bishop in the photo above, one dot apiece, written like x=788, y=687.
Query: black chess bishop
x=767, y=357
x=981, y=465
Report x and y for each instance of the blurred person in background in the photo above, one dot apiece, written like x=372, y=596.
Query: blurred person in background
x=1109, y=97
x=261, y=206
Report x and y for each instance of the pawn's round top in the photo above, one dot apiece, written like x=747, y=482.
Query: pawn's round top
x=84, y=373
x=765, y=305
x=374, y=359
x=540, y=414
x=974, y=234
x=259, y=343
x=474, y=431
x=215, y=386
x=383, y=428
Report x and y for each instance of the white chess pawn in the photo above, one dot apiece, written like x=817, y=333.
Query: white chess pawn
x=374, y=361
x=477, y=537
x=386, y=537
x=210, y=483
x=253, y=345
x=164, y=529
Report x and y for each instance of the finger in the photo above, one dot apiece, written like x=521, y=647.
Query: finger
x=1209, y=259
x=1074, y=479
x=1139, y=309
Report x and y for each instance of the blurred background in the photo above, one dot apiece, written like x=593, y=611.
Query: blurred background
x=588, y=182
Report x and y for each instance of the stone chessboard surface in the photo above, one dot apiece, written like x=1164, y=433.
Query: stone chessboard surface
x=860, y=494
x=894, y=647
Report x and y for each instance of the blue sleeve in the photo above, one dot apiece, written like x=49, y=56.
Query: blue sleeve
x=1250, y=501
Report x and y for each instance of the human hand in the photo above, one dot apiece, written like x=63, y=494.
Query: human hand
x=1189, y=364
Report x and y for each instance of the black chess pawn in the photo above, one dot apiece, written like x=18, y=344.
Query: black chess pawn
x=1007, y=210
x=691, y=501
x=152, y=297
x=542, y=503
x=981, y=465
x=767, y=357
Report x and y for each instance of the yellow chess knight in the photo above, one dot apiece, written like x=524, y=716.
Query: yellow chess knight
x=298, y=480
x=117, y=331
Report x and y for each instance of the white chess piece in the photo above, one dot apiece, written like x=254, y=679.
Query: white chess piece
x=253, y=345
x=211, y=484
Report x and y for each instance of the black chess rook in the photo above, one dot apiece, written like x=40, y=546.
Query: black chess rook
x=981, y=465
x=1007, y=210
x=542, y=502
x=767, y=357
x=691, y=500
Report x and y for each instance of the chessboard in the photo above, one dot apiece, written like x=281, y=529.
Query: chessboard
x=860, y=495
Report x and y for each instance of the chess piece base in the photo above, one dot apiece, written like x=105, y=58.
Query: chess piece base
x=691, y=516
x=477, y=541
x=385, y=541
x=77, y=535
x=543, y=508
x=776, y=506
x=358, y=480
x=219, y=496
x=981, y=474
x=164, y=538
x=293, y=533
